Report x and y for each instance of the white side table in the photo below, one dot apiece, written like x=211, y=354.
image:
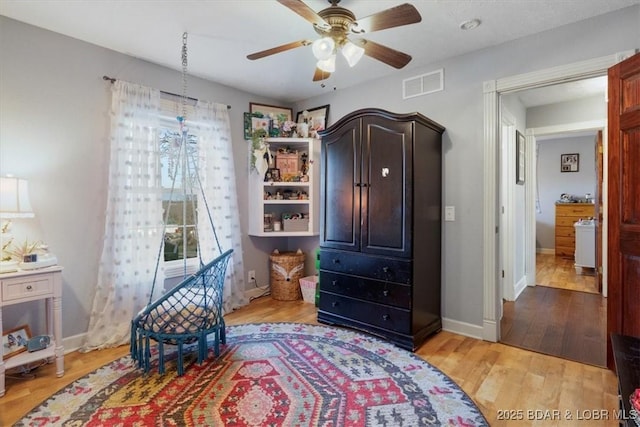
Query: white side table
x=24, y=286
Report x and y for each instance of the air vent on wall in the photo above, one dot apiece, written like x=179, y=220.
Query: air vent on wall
x=423, y=84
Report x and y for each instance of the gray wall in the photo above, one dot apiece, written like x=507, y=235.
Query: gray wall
x=54, y=123
x=552, y=182
x=53, y=131
x=459, y=108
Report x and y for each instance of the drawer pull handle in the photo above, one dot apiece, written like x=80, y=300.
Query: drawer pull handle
x=334, y=304
x=385, y=317
x=385, y=269
x=334, y=282
x=29, y=287
x=336, y=261
x=385, y=293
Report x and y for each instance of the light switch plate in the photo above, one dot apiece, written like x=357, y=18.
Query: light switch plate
x=449, y=213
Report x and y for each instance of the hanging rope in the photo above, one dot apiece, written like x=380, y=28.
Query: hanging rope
x=192, y=310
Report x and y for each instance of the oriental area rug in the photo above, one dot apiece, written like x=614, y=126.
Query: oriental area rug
x=269, y=374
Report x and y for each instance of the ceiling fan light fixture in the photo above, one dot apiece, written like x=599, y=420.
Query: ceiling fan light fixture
x=352, y=53
x=327, y=65
x=323, y=48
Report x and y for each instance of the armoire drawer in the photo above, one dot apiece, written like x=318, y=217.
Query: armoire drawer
x=382, y=316
x=365, y=265
x=378, y=291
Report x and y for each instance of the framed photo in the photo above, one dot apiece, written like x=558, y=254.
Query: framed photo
x=316, y=117
x=14, y=341
x=272, y=175
x=277, y=114
x=520, y=158
x=260, y=123
x=248, y=125
x=570, y=162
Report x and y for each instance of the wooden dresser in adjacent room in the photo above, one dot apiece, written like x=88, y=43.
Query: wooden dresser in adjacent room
x=380, y=225
x=567, y=214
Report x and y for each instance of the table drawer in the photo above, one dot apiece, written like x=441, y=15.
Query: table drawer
x=378, y=291
x=19, y=288
x=379, y=315
x=370, y=266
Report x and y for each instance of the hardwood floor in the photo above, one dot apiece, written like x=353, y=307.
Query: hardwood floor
x=562, y=316
x=558, y=272
x=504, y=381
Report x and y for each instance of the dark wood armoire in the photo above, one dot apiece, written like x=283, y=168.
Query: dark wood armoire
x=380, y=225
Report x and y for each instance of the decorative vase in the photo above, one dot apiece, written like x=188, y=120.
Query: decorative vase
x=303, y=130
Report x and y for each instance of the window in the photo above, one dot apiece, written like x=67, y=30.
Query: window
x=179, y=190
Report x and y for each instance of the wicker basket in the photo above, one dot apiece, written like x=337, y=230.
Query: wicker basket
x=287, y=269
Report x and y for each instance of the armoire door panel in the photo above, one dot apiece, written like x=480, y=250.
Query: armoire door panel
x=386, y=162
x=340, y=192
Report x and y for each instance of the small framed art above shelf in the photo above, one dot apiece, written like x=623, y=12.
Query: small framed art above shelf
x=570, y=162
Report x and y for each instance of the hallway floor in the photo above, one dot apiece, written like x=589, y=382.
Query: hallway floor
x=555, y=319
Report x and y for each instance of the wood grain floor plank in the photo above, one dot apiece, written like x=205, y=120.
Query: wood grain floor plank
x=557, y=320
x=498, y=377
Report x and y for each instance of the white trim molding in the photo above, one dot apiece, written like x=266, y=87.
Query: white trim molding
x=462, y=328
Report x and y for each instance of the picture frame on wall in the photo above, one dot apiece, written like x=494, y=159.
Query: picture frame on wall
x=273, y=112
x=260, y=123
x=14, y=341
x=316, y=118
x=570, y=162
x=520, y=158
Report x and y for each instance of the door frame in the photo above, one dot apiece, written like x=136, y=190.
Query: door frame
x=492, y=89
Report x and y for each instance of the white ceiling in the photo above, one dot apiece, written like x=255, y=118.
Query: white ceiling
x=223, y=32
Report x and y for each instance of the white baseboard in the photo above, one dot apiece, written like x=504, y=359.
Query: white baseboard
x=255, y=292
x=73, y=342
x=548, y=251
x=462, y=328
x=520, y=286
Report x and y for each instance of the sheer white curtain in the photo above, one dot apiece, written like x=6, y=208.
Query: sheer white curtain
x=133, y=226
x=217, y=175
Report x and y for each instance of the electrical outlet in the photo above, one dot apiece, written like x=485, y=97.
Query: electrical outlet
x=251, y=276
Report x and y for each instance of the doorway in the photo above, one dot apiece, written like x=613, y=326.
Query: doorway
x=550, y=315
x=492, y=92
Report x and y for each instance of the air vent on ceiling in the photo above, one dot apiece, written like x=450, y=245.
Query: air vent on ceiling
x=423, y=84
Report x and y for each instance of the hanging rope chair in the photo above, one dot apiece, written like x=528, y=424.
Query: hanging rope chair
x=191, y=312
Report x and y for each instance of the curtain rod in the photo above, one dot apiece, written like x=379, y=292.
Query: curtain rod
x=112, y=81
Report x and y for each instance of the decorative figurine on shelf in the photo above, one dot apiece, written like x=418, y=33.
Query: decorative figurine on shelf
x=304, y=168
x=303, y=127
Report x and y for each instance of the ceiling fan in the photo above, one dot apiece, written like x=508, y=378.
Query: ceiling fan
x=336, y=24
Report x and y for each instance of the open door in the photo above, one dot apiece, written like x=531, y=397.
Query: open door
x=623, y=253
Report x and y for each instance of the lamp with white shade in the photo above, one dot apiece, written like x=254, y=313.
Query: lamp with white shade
x=14, y=204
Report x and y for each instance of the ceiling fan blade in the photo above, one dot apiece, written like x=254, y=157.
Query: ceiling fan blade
x=278, y=49
x=389, y=56
x=394, y=17
x=306, y=12
x=320, y=75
